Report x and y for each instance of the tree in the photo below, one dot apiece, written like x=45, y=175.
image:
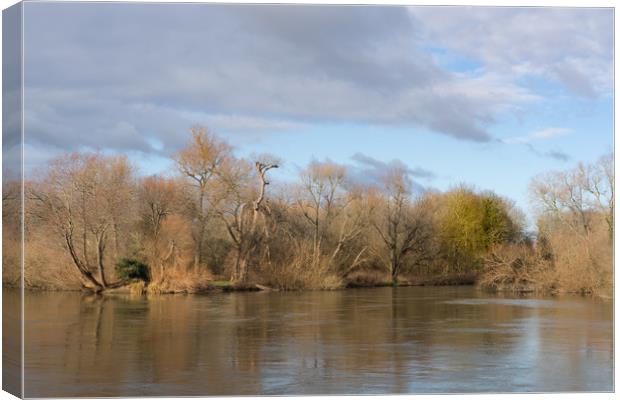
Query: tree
x=470, y=223
x=321, y=199
x=84, y=197
x=347, y=230
x=400, y=229
x=11, y=232
x=575, y=219
x=157, y=199
x=200, y=163
x=241, y=207
x=577, y=196
x=597, y=180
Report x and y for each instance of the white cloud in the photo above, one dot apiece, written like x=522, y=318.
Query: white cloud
x=541, y=134
x=572, y=46
x=249, y=70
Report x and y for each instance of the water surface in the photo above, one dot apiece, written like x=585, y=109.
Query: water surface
x=373, y=341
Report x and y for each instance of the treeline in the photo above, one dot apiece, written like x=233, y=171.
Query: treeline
x=574, y=246
x=91, y=221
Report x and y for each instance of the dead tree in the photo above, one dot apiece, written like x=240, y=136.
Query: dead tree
x=241, y=216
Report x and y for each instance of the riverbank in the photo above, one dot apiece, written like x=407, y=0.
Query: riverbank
x=138, y=287
x=221, y=285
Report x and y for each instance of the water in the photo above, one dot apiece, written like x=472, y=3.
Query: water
x=372, y=341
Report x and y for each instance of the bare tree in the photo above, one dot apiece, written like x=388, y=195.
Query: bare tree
x=598, y=180
x=321, y=201
x=400, y=229
x=240, y=210
x=158, y=199
x=82, y=197
x=11, y=232
x=576, y=223
x=346, y=230
x=200, y=162
x=576, y=196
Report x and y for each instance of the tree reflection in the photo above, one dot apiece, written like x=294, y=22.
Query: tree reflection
x=356, y=341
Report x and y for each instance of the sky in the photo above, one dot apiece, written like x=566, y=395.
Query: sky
x=487, y=96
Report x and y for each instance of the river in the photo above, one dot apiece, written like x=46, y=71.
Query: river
x=367, y=341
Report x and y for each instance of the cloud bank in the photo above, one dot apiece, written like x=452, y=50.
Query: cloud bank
x=135, y=77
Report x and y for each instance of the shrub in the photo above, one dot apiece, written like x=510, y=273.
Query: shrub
x=181, y=280
x=584, y=262
x=368, y=278
x=129, y=268
x=517, y=267
x=302, y=271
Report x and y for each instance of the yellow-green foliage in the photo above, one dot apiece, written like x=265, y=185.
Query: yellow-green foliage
x=470, y=223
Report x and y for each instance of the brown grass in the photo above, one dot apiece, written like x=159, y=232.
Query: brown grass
x=181, y=280
x=302, y=271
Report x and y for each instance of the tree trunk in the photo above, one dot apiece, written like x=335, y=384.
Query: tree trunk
x=100, y=251
x=394, y=270
x=236, y=271
x=82, y=269
x=243, y=270
x=198, y=249
x=241, y=264
x=116, y=243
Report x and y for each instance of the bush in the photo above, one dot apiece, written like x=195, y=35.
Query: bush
x=129, y=268
x=181, y=280
x=302, y=271
x=368, y=278
x=517, y=267
x=584, y=262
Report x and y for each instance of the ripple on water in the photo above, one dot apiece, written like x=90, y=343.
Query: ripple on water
x=531, y=303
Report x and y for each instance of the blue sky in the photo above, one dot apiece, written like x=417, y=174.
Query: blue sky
x=488, y=96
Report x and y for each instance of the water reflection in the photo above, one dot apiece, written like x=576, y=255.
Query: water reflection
x=405, y=340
